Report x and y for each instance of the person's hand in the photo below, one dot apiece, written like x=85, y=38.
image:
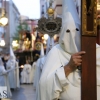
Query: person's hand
x=75, y=60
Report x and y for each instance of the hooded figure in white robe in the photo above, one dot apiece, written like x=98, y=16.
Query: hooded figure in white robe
x=33, y=70
x=10, y=65
x=4, y=81
x=38, y=63
x=25, y=74
x=54, y=84
x=17, y=75
x=2, y=71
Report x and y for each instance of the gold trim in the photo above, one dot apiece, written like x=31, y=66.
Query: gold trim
x=84, y=19
x=38, y=45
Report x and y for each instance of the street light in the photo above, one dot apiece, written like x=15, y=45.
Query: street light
x=15, y=43
x=2, y=43
x=3, y=18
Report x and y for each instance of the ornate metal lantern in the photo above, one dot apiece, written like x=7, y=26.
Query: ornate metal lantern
x=49, y=26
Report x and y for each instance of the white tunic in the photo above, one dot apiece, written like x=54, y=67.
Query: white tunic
x=32, y=72
x=55, y=85
x=25, y=74
x=39, y=67
x=36, y=74
x=17, y=75
x=2, y=78
x=11, y=76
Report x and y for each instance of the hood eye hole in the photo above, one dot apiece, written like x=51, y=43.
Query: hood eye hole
x=67, y=30
x=77, y=29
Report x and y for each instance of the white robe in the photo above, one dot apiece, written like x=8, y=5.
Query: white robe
x=38, y=71
x=12, y=78
x=17, y=75
x=39, y=67
x=2, y=78
x=35, y=74
x=32, y=72
x=53, y=82
x=25, y=74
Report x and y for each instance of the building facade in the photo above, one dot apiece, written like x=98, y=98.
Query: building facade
x=13, y=16
x=43, y=8
x=56, y=5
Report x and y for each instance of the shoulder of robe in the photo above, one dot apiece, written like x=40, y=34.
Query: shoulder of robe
x=97, y=47
x=97, y=51
x=55, y=48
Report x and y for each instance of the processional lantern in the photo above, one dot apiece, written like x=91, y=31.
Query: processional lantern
x=50, y=25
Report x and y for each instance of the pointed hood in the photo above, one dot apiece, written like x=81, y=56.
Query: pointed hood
x=12, y=53
x=70, y=33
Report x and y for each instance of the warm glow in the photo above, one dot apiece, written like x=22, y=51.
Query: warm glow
x=46, y=36
x=98, y=7
x=3, y=20
x=15, y=43
x=22, y=66
x=43, y=38
x=44, y=42
x=2, y=43
x=33, y=37
x=55, y=36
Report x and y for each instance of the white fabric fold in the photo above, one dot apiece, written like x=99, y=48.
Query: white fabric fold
x=98, y=63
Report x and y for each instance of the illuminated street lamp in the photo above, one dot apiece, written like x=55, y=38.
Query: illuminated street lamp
x=3, y=18
x=2, y=43
x=15, y=43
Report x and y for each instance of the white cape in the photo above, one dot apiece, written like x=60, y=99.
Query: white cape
x=33, y=68
x=39, y=67
x=11, y=75
x=17, y=75
x=25, y=74
x=2, y=78
x=38, y=70
x=54, y=84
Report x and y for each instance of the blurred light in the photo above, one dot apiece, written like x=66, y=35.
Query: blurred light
x=98, y=5
x=2, y=43
x=22, y=66
x=44, y=42
x=3, y=21
x=33, y=37
x=55, y=36
x=46, y=36
x=15, y=43
x=42, y=38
